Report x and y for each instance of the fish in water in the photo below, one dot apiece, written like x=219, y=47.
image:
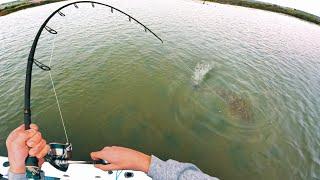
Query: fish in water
x=238, y=106
x=200, y=72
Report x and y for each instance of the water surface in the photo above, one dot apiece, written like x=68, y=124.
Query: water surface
x=234, y=90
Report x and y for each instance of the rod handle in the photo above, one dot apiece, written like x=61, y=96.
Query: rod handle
x=32, y=168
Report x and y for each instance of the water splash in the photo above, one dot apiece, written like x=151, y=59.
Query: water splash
x=200, y=72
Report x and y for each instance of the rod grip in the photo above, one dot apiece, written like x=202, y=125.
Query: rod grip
x=27, y=118
x=32, y=168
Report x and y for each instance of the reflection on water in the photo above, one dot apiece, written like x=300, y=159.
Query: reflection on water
x=233, y=90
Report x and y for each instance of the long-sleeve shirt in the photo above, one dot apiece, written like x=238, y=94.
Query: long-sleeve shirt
x=160, y=170
x=171, y=170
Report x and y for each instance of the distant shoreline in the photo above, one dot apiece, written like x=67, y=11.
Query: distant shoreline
x=273, y=8
x=24, y=5
x=251, y=4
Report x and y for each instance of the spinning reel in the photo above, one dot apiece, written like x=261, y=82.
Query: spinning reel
x=58, y=155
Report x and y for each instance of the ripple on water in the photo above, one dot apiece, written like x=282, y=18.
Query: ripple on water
x=224, y=87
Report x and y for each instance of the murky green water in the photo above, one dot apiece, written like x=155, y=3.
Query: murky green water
x=234, y=90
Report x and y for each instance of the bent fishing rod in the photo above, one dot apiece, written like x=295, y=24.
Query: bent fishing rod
x=60, y=153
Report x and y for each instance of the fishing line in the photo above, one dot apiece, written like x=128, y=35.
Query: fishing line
x=54, y=90
x=118, y=174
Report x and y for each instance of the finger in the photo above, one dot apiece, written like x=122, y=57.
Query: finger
x=31, y=132
x=35, y=139
x=107, y=147
x=37, y=148
x=40, y=162
x=108, y=167
x=96, y=155
x=22, y=127
x=34, y=126
x=43, y=152
x=23, y=136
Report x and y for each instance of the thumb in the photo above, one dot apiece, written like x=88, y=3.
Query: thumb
x=108, y=167
x=20, y=128
x=96, y=155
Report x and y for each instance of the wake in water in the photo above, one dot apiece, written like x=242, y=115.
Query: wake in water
x=200, y=72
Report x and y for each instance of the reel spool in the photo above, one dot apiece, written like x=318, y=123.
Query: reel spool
x=58, y=155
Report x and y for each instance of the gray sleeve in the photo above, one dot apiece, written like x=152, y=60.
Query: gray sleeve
x=14, y=176
x=171, y=169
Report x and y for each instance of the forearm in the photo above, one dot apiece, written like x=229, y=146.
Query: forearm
x=175, y=170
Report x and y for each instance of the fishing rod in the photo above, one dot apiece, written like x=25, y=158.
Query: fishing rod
x=60, y=154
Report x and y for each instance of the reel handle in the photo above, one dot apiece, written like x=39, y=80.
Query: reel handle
x=100, y=161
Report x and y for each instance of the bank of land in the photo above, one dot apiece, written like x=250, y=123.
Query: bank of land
x=272, y=7
x=23, y=4
x=14, y=6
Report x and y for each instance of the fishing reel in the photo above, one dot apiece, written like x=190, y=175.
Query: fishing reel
x=59, y=155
